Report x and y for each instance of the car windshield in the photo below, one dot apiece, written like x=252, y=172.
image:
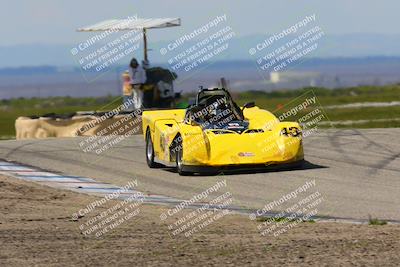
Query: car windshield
x=213, y=106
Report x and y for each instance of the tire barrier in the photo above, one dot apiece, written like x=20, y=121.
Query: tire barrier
x=78, y=124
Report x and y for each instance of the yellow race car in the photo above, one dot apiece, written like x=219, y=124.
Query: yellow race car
x=215, y=133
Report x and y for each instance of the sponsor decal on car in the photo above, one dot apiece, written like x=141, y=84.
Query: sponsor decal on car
x=246, y=154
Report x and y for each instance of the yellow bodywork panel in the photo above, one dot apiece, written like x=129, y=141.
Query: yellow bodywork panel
x=260, y=118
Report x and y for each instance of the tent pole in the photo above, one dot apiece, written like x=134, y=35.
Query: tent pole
x=145, y=45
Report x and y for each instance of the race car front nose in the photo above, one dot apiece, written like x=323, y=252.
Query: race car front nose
x=255, y=148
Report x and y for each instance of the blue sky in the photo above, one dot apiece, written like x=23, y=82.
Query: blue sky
x=55, y=21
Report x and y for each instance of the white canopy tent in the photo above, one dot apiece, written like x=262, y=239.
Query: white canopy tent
x=133, y=24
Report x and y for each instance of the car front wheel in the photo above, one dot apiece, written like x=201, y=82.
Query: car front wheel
x=150, y=151
x=179, y=162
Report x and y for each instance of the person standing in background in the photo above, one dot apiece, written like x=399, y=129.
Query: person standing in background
x=138, y=78
x=127, y=93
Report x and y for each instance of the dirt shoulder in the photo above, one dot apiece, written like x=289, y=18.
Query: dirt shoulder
x=36, y=228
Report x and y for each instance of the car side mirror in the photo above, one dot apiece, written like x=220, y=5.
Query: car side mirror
x=249, y=105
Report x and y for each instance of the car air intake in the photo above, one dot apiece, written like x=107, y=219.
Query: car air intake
x=222, y=132
x=254, y=131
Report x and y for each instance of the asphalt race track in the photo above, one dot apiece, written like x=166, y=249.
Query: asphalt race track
x=356, y=171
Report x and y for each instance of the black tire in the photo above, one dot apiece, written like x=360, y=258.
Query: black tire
x=150, y=151
x=178, y=160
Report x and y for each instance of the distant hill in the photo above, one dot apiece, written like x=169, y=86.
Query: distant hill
x=317, y=64
x=349, y=45
x=28, y=70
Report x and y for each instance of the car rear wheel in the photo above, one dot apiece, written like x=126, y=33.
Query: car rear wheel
x=150, y=151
